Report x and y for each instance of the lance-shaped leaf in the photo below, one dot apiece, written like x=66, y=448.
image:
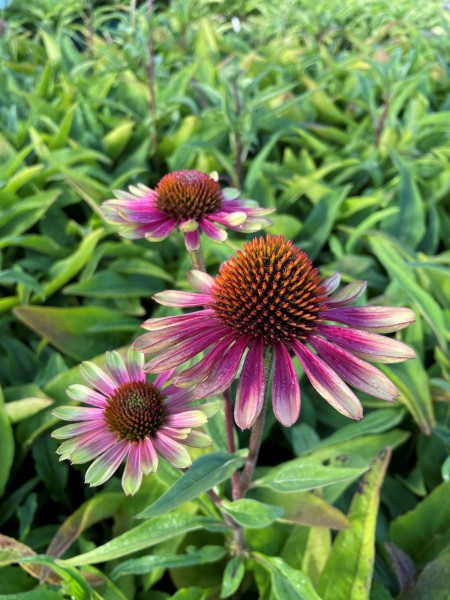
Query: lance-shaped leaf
x=348, y=572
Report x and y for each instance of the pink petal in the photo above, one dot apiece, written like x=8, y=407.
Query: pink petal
x=229, y=219
x=331, y=283
x=192, y=240
x=347, y=295
x=165, y=322
x=149, y=457
x=213, y=232
x=78, y=413
x=381, y=319
x=250, y=389
x=156, y=341
x=201, y=370
x=160, y=232
x=327, y=383
x=107, y=464
x=75, y=429
x=285, y=388
x=357, y=372
x=200, y=281
x=163, y=377
x=98, y=378
x=172, y=451
x=367, y=345
x=82, y=393
x=223, y=373
x=188, y=418
x=132, y=474
x=136, y=365
x=184, y=351
x=182, y=299
x=92, y=446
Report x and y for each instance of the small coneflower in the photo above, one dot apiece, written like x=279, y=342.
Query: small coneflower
x=270, y=295
x=128, y=418
x=191, y=200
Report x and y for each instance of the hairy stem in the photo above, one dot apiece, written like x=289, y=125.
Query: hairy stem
x=257, y=429
x=197, y=260
x=229, y=425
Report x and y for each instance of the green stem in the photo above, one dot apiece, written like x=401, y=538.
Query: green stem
x=258, y=428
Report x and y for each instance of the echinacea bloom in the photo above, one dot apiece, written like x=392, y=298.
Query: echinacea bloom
x=192, y=201
x=128, y=418
x=271, y=295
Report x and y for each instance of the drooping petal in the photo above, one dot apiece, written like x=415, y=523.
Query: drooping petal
x=156, y=341
x=331, y=283
x=250, y=389
x=285, y=389
x=213, y=232
x=347, y=295
x=367, y=345
x=327, y=382
x=165, y=322
x=149, y=457
x=107, y=464
x=181, y=299
x=172, y=451
x=78, y=413
x=201, y=370
x=160, y=232
x=82, y=393
x=132, y=474
x=188, y=225
x=117, y=367
x=381, y=319
x=163, y=378
x=200, y=281
x=357, y=372
x=223, y=373
x=98, y=378
x=92, y=447
x=192, y=240
x=184, y=351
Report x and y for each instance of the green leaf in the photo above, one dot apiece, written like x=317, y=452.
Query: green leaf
x=20, y=216
x=424, y=531
x=232, y=576
x=251, y=513
x=115, y=140
x=107, y=284
x=205, y=473
x=6, y=445
x=387, y=253
x=27, y=407
x=73, y=330
x=348, y=572
x=287, y=583
x=145, y=535
x=300, y=475
x=432, y=583
x=140, y=566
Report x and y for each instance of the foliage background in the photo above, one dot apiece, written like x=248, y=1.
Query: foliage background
x=338, y=115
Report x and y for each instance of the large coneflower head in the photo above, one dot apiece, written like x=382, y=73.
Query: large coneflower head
x=270, y=295
x=191, y=200
x=128, y=419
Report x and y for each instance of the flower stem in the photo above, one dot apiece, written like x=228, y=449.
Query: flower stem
x=257, y=429
x=229, y=425
x=197, y=260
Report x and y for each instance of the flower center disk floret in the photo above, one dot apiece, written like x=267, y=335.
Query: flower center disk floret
x=188, y=195
x=135, y=411
x=270, y=290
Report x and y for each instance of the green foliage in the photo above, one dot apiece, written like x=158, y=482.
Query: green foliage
x=337, y=115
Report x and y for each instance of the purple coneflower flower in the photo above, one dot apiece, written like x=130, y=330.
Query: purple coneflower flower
x=128, y=418
x=271, y=295
x=190, y=200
